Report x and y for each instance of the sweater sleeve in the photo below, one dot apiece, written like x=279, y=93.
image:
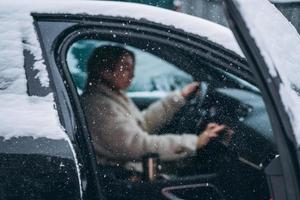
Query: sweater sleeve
x=121, y=135
x=161, y=112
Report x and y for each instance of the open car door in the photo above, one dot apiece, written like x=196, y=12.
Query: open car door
x=272, y=47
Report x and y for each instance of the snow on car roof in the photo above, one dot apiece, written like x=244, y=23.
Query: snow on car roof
x=279, y=43
x=214, y=32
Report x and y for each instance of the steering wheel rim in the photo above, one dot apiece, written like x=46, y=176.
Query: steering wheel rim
x=193, y=114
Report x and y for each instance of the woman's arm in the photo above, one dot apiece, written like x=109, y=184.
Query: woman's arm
x=123, y=139
x=161, y=112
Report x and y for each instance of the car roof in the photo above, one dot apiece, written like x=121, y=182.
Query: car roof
x=191, y=24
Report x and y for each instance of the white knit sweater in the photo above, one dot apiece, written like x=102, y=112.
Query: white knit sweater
x=122, y=133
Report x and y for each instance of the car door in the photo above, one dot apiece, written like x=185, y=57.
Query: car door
x=272, y=45
x=58, y=32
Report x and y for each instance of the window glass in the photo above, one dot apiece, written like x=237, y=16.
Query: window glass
x=151, y=72
x=226, y=99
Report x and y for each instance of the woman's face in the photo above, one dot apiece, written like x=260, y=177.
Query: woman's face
x=123, y=73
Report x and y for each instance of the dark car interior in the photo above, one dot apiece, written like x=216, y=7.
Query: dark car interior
x=220, y=170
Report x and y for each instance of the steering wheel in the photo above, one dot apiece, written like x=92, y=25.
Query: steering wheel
x=193, y=118
x=193, y=115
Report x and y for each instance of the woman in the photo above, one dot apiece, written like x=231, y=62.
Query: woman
x=120, y=132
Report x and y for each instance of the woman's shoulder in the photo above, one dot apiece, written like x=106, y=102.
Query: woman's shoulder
x=96, y=98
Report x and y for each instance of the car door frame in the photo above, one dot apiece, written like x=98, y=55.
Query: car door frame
x=283, y=132
x=76, y=25
x=68, y=116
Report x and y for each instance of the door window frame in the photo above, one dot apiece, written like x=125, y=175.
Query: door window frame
x=68, y=116
x=97, y=26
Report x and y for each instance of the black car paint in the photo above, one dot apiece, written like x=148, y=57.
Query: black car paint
x=49, y=37
x=37, y=168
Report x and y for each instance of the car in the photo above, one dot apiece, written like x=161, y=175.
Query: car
x=249, y=80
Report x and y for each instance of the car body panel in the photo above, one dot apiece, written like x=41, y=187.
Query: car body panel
x=38, y=159
x=37, y=169
x=272, y=76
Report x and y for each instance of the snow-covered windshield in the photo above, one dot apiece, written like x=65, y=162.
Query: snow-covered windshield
x=279, y=43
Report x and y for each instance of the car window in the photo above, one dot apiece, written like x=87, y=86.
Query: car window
x=228, y=99
x=152, y=74
x=155, y=77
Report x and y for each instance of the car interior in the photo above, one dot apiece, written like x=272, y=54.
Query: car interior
x=220, y=170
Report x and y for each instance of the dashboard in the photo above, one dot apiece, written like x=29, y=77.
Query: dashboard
x=244, y=111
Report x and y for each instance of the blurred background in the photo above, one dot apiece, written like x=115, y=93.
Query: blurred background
x=207, y=9
x=212, y=10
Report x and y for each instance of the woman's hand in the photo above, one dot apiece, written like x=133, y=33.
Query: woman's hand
x=189, y=89
x=212, y=131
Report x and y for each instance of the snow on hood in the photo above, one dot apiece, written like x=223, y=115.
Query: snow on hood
x=279, y=43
